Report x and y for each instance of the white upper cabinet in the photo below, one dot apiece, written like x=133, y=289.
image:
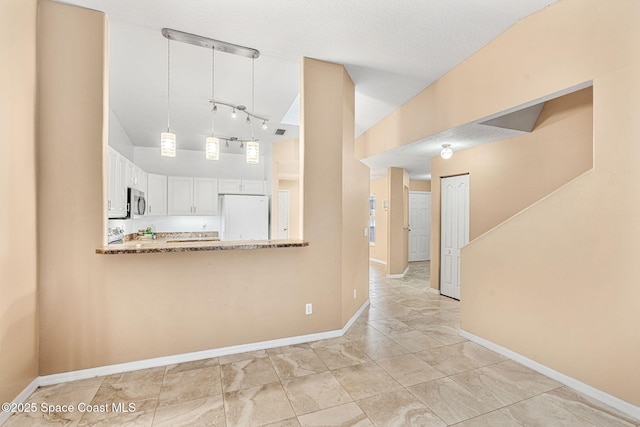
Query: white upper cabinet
x=140, y=180
x=192, y=196
x=180, y=195
x=251, y=186
x=130, y=174
x=205, y=196
x=156, y=194
x=117, y=188
x=241, y=186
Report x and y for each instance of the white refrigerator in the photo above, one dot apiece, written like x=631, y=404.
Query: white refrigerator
x=244, y=217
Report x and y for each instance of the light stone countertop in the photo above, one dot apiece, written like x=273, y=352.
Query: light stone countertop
x=147, y=246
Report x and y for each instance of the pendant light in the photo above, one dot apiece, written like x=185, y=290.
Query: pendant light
x=253, y=147
x=446, y=152
x=212, y=145
x=168, y=139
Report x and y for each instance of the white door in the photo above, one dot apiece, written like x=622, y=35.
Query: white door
x=454, y=220
x=283, y=214
x=419, y=225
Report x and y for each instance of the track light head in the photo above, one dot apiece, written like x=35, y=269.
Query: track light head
x=264, y=125
x=234, y=114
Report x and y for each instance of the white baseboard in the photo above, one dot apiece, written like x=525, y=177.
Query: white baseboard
x=21, y=398
x=398, y=276
x=606, y=398
x=198, y=355
x=357, y=314
x=433, y=290
x=378, y=261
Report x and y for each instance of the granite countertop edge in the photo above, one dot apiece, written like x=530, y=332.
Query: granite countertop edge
x=135, y=247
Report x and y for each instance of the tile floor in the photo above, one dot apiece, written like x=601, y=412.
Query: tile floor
x=401, y=364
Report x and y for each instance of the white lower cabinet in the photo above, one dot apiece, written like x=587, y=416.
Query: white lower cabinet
x=192, y=196
x=242, y=186
x=156, y=194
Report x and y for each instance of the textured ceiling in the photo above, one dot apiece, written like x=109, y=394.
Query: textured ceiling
x=392, y=50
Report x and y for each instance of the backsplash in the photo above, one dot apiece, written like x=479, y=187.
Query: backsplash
x=168, y=223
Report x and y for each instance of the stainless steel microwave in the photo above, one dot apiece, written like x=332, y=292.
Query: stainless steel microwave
x=136, y=203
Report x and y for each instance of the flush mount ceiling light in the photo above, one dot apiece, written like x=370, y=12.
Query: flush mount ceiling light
x=446, y=152
x=168, y=139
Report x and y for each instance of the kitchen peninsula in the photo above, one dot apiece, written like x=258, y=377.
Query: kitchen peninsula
x=193, y=242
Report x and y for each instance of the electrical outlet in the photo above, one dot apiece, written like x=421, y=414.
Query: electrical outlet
x=308, y=309
x=355, y=293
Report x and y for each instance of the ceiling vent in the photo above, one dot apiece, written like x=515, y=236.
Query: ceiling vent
x=279, y=131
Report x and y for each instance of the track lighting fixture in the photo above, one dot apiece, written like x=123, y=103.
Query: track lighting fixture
x=212, y=143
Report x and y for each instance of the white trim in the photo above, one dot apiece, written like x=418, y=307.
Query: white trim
x=398, y=276
x=198, y=355
x=357, y=314
x=606, y=398
x=433, y=290
x=21, y=398
x=379, y=261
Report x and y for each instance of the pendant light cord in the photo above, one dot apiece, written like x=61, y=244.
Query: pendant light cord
x=168, y=84
x=253, y=90
x=213, y=89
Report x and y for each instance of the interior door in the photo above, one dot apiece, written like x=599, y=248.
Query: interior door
x=454, y=220
x=283, y=214
x=419, y=225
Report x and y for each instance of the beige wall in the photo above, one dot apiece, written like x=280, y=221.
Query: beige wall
x=398, y=228
x=507, y=176
x=415, y=185
x=98, y=310
x=380, y=188
x=355, y=210
x=557, y=283
x=18, y=268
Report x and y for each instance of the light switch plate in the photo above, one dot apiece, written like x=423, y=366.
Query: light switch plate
x=365, y=232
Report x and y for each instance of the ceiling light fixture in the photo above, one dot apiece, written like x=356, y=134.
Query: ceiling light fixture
x=168, y=139
x=212, y=144
x=241, y=108
x=446, y=152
